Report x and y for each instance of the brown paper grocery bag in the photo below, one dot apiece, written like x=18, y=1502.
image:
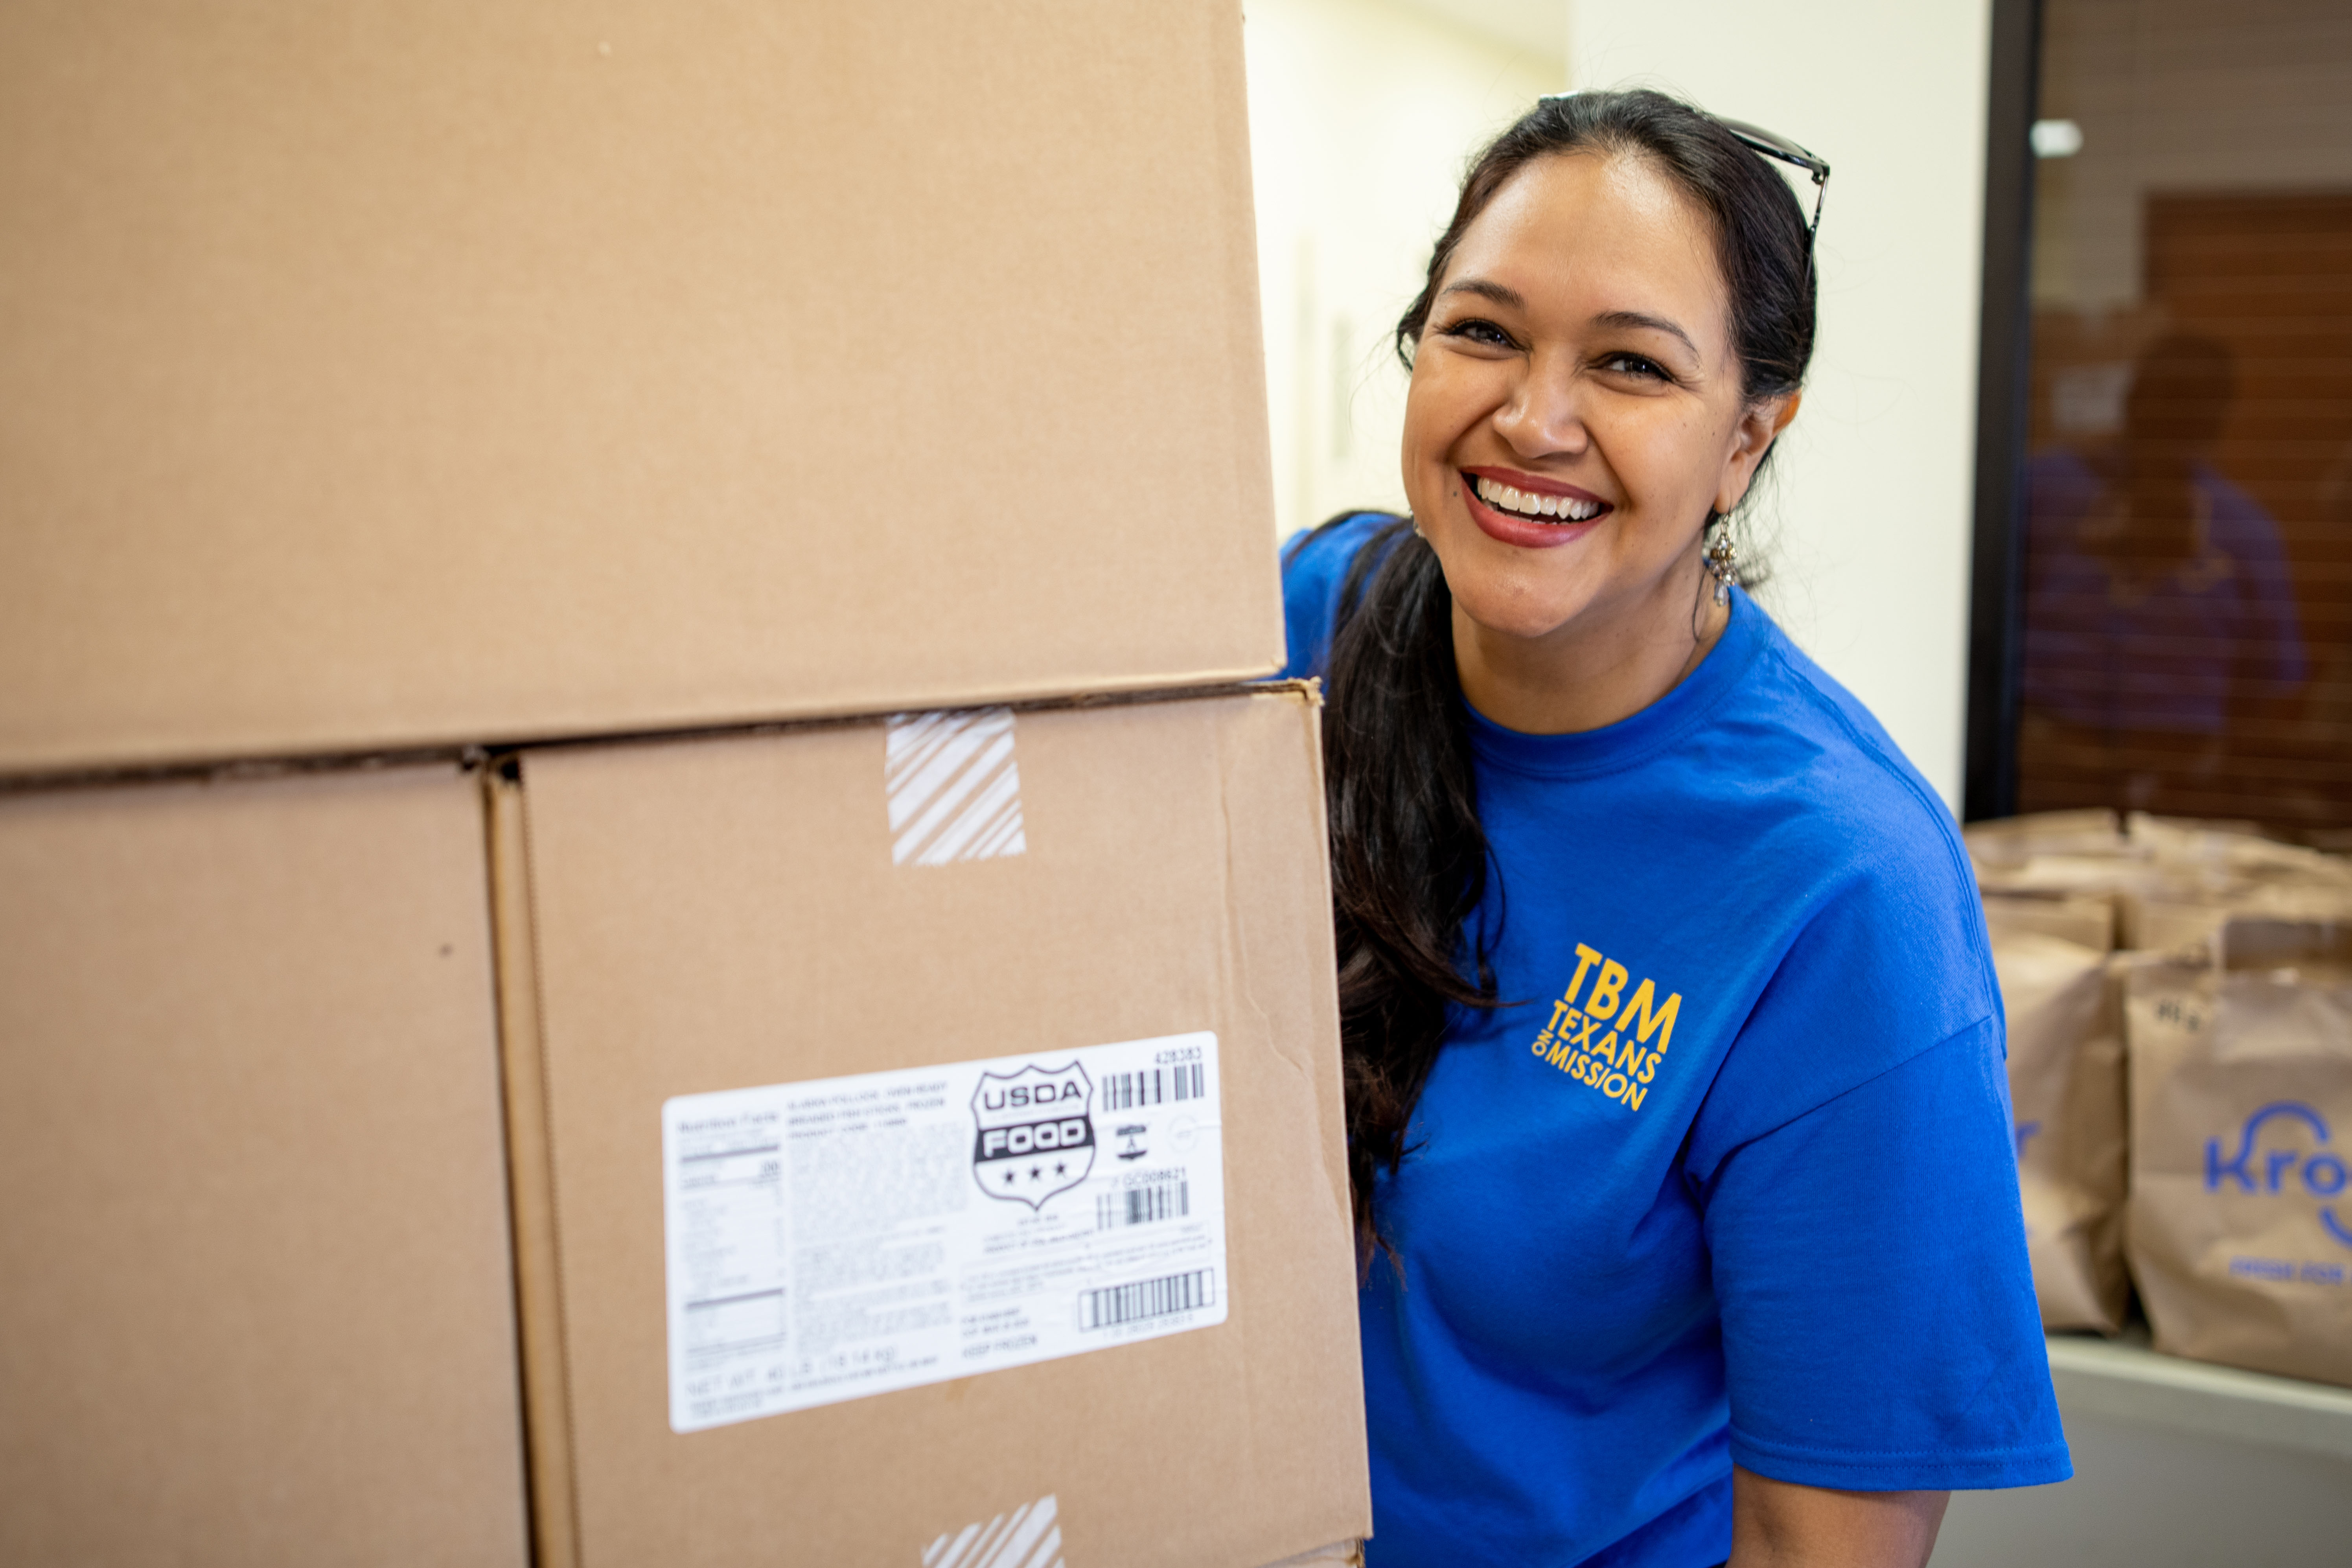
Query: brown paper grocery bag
x=2212, y=871
x=2010, y=841
x=2086, y=920
x=2067, y=1092
x=2239, y=1222
x=2174, y=881
x=2125, y=881
x=2189, y=915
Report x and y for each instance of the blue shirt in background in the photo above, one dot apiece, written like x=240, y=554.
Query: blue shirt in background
x=1730, y=1179
x=2161, y=655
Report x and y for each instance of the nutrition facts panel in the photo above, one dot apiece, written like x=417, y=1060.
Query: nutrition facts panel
x=845, y=1236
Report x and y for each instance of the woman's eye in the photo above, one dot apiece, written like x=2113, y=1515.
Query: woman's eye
x=1477, y=331
x=1637, y=365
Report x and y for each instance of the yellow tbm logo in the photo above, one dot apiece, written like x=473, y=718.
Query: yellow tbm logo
x=1606, y=1039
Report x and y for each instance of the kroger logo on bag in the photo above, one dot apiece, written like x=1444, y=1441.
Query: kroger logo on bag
x=1034, y=1137
x=2260, y=1165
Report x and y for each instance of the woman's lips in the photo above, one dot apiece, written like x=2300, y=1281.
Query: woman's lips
x=1526, y=533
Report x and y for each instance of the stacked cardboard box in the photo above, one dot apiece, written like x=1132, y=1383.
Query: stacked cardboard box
x=816, y=459
x=760, y=1311
x=421, y=371
x=255, y=1303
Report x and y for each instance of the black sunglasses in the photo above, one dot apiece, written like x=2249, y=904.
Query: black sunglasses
x=1772, y=144
x=1757, y=139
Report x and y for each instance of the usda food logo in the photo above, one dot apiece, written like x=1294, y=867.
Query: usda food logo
x=1036, y=1137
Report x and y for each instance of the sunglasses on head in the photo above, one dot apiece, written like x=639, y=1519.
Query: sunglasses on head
x=1774, y=145
x=1770, y=144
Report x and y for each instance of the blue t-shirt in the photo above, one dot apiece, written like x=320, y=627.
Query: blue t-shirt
x=1730, y=1180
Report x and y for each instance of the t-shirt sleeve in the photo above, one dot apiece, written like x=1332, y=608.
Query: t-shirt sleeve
x=1879, y=1325
x=1314, y=571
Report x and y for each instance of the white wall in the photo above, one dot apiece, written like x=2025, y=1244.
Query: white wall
x=1362, y=114
x=1870, y=524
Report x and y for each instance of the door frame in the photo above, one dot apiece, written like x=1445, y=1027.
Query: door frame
x=2004, y=348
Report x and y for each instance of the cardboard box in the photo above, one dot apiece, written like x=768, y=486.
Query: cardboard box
x=683, y=924
x=255, y=1304
x=421, y=371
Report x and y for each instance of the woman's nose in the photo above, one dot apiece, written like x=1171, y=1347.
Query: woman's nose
x=1545, y=413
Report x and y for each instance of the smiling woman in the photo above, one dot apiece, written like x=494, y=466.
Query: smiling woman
x=1677, y=1132
x=1584, y=328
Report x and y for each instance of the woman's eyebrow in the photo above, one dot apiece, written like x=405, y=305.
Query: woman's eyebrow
x=1485, y=290
x=1655, y=323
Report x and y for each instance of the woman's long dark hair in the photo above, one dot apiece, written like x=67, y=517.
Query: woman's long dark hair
x=1409, y=856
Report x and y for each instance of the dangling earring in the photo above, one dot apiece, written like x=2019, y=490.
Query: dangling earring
x=1417, y=533
x=1723, y=562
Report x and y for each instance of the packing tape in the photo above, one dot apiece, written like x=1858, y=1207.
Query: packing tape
x=1026, y=1538
x=953, y=786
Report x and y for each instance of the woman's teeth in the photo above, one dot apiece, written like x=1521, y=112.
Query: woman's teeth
x=1568, y=509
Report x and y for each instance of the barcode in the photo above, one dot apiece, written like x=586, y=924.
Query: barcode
x=1142, y=1206
x=1155, y=1085
x=1147, y=1299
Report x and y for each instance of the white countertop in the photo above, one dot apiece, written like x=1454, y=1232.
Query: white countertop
x=2123, y=1380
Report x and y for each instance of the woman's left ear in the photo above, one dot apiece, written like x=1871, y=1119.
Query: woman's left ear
x=1760, y=425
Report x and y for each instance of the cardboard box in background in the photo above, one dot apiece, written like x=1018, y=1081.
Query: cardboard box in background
x=721, y=915
x=255, y=1304
x=421, y=371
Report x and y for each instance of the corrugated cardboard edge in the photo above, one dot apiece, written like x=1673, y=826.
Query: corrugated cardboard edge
x=539, y=1297
x=476, y=753
x=1252, y=443
x=24, y=768
x=1240, y=761
x=1350, y=1552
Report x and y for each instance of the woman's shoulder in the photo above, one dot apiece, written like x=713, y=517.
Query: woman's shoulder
x=1856, y=887
x=1841, y=796
x=1317, y=567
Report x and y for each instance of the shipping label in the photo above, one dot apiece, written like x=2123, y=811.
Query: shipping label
x=845, y=1236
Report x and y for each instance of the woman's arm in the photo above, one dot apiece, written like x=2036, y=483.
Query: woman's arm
x=1779, y=1524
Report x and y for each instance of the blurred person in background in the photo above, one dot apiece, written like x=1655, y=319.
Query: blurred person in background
x=2159, y=612
x=1678, y=1125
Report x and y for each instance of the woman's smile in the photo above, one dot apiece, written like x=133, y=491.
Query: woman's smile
x=1528, y=510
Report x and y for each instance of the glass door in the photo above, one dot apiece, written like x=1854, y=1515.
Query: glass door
x=2182, y=595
